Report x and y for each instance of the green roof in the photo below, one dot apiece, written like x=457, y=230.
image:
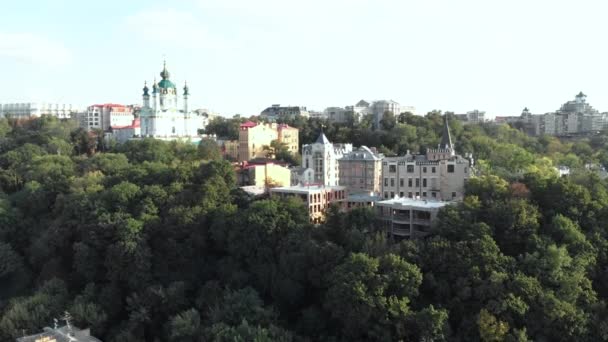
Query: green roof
x=166, y=84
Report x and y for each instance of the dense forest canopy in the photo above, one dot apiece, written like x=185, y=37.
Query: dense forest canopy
x=153, y=241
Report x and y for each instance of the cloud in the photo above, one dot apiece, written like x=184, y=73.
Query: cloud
x=174, y=28
x=34, y=49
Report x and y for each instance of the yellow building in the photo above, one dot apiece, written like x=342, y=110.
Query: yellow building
x=254, y=137
x=264, y=175
x=290, y=137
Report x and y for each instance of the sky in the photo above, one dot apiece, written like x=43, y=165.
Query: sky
x=240, y=56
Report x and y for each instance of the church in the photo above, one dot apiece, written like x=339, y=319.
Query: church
x=162, y=118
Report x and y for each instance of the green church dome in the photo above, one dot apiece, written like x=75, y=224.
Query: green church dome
x=166, y=84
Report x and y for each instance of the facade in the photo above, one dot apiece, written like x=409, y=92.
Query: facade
x=277, y=111
x=322, y=156
x=60, y=334
x=440, y=174
x=37, y=109
x=336, y=114
x=361, y=108
x=162, y=118
x=254, y=138
x=302, y=176
x=317, y=198
x=123, y=133
x=472, y=117
x=290, y=136
x=229, y=149
x=408, y=218
x=361, y=170
x=263, y=175
x=378, y=108
x=317, y=115
x=361, y=200
x=104, y=116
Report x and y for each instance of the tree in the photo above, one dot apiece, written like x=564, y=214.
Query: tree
x=208, y=150
x=388, y=120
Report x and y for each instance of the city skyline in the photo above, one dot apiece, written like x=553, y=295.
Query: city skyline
x=241, y=57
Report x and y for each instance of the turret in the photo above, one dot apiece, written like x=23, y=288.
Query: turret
x=155, y=95
x=186, y=93
x=146, y=96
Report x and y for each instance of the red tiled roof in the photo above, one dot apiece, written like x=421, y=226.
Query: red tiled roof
x=108, y=105
x=248, y=124
x=135, y=124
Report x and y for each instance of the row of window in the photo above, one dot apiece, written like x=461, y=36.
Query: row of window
x=411, y=194
x=410, y=169
x=410, y=182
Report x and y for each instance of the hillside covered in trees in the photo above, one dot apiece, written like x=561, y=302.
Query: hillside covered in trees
x=153, y=241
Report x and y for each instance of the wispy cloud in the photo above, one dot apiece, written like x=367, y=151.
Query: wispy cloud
x=173, y=28
x=33, y=48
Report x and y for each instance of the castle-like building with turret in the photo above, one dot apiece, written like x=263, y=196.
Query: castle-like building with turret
x=440, y=174
x=161, y=116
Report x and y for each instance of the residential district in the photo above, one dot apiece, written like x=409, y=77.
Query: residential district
x=406, y=191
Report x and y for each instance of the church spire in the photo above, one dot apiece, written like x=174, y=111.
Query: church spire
x=446, y=137
x=165, y=73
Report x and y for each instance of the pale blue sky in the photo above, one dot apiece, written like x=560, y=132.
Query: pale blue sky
x=240, y=56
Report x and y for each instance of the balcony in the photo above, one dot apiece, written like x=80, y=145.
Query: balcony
x=400, y=231
x=402, y=218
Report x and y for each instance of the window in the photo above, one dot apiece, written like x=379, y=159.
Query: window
x=433, y=194
x=392, y=194
x=433, y=169
x=401, y=182
x=409, y=182
x=417, y=194
x=424, y=182
x=392, y=168
x=401, y=194
x=409, y=194
x=424, y=194
x=386, y=195
x=451, y=168
x=385, y=181
x=392, y=181
x=424, y=169
x=410, y=169
x=417, y=182
x=453, y=195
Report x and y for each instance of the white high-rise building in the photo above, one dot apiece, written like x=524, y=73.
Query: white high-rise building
x=322, y=157
x=37, y=109
x=162, y=118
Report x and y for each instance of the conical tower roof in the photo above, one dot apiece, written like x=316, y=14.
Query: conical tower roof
x=322, y=139
x=446, y=137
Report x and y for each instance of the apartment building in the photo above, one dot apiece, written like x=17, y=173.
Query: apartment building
x=361, y=170
x=37, y=109
x=255, y=138
x=104, y=116
x=404, y=218
x=440, y=174
x=322, y=156
x=277, y=111
x=317, y=198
